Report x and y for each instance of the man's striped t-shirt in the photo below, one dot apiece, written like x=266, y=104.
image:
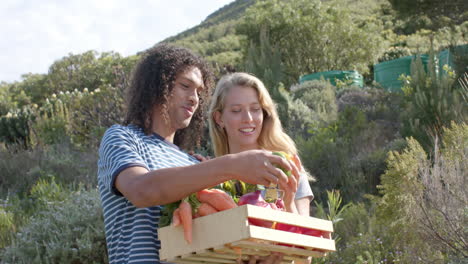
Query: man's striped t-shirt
x=131, y=233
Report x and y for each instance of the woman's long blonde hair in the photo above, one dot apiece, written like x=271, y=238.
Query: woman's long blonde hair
x=271, y=138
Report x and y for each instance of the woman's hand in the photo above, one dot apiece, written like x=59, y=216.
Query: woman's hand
x=198, y=156
x=289, y=193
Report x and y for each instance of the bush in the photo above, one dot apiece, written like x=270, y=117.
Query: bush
x=310, y=104
x=51, y=125
x=332, y=153
x=319, y=96
x=15, y=127
x=68, y=232
x=432, y=101
x=299, y=119
x=63, y=161
x=7, y=228
x=425, y=199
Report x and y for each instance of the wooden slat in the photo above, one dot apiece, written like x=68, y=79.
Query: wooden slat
x=212, y=253
x=277, y=248
x=212, y=233
x=255, y=251
x=289, y=218
x=206, y=259
x=291, y=238
x=208, y=231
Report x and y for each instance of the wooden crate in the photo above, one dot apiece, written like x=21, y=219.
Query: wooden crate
x=227, y=236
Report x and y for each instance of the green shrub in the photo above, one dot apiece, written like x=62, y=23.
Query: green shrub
x=91, y=113
x=425, y=199
x=63, y=161
x=394, y=52
x=68, y=232
x=310, y=104
x=330, y=151
x=319, y=96
x=432, y=102
x=46, y=190
x=15, y=127
x=20, y=207
x=7, y=227
x=299, y=119
x=51, y=126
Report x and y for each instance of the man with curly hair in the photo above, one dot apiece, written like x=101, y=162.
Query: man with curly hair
x=142, y=163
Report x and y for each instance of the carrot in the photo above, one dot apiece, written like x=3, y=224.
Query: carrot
x=217, y=198
x=176, y=217
x=206, y=209
x=186, y=219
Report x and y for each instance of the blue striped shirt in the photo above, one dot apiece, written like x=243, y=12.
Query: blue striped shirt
x=131, y=233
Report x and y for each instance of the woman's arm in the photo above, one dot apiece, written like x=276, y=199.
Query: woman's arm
x=303, y=205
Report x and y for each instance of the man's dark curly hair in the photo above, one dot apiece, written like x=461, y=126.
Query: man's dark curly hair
x=152, y=83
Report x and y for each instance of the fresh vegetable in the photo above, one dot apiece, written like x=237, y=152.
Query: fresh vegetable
x=206, y=209
x=280, y=204
x=285, y=156
x=311, y=232
x=185, y=212
x=167, y=210
x=287, y=228
x=236, y=188
x=255, y=198
x=219, y=199
x=176, y=217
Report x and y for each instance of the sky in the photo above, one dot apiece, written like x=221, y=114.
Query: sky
x=34, y=34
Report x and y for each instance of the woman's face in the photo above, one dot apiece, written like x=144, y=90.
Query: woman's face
x=242, y=118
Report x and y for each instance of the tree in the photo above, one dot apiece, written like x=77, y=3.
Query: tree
x=430, y=14
x=313, y=36
x=264, y=61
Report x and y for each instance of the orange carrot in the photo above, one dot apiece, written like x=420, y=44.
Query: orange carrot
x=217, y=198
x=206, y=209
x=176, y=217
x=185, y=213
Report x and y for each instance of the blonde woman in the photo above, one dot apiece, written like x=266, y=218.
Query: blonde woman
x=242, y=116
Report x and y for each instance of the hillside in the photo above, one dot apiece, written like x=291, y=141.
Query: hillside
x=216, y=38
x=231, y=11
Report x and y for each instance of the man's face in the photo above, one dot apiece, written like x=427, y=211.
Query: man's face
x=183, y=101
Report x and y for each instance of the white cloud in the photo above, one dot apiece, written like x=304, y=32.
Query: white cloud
x=36, y=33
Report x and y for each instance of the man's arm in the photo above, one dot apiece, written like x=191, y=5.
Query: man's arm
x=148, y=188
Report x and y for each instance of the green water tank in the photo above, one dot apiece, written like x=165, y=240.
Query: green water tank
x=351, y=77
x=387, y=73
x=449, y=56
